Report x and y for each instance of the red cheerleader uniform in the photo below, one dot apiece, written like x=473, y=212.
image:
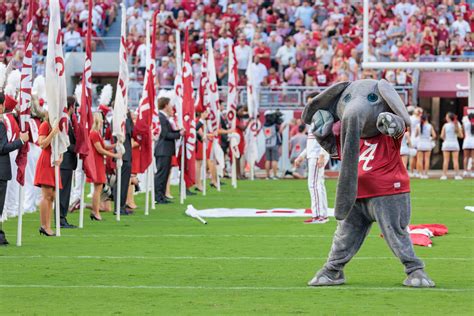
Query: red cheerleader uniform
x=136, y=160
x=44, y=174
x=100, y=177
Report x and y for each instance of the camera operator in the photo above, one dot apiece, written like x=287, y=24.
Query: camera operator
x=272, y=129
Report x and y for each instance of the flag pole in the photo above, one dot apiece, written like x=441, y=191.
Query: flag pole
x=234, y=171
x=182, y=191
x=152, y=178
x=204, y=161
x=56, y=191
x=147, y=190
x=20, y=216
x=81, y=205
x=119, y=189
x=218, y=179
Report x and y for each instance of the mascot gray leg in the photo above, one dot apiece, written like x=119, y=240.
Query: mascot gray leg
x=348, y=239
x=392, y=213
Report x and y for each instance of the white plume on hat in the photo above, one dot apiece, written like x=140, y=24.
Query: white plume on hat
x=106, y=95
x=170, y=94
x=78, y=93
x=39, y=87
x=3, y=75
x=13, y=83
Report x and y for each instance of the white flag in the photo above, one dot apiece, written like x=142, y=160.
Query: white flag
x=232, y=96
x=56, y=93
x=252, y=91
x=178, y=82
x=212, y=93
x=121, y=95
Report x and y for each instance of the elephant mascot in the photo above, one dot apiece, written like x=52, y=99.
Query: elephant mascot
x=363, y=123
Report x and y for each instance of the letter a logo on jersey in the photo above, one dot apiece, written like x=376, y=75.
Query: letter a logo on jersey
x=367, y=155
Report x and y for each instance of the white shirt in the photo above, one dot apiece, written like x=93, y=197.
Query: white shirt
x=243, y=55
x=72, y=39
x=259, y=72
x=461, y=28
x=285, y=54
x=141, y=54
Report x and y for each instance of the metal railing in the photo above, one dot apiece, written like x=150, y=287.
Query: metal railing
x=285, y=98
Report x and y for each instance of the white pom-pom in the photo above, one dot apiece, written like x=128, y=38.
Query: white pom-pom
x=3, y=75
x=106, y=95
x=13, y=83
x=39, y=87
x=78, y=93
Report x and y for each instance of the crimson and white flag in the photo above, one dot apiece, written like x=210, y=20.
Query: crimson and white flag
x=252, y=91
x=212, y=93
x=121, y=95
x=178, y=82
x=83, y=145
x=145, y=109
x=232, y=95
x=189, y=122
x=202, y=101
x=25, y=97
x=56, y=93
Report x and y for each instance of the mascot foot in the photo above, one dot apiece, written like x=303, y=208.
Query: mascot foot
x=418, y=278
x=327, y=278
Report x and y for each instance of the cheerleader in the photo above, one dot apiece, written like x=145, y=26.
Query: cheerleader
x=468, y=145
x=405, y=148
x=450, y=132
x=100, y=150
x=415, y=119
x=425, y=134
x=44, y=175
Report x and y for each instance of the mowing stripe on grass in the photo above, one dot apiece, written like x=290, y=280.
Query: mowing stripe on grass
x=218, y=258
x=229, y=288
x=217, y=236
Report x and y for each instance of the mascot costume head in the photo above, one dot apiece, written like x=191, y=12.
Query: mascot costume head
x=363, y=122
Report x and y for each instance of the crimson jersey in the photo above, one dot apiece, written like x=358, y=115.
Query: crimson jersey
x=381, y=171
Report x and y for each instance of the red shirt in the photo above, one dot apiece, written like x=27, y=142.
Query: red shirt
x=264, y=60
x=381, y=170
x=209, y=10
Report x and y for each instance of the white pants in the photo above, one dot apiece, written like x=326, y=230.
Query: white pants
x=76, y=189
x=32, y=193
x=317, y=189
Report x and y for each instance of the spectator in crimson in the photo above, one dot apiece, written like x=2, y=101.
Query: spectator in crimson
x=428, y=39
x=213, y=8
x=273, y=80
x=165, y=73
x=454, y=49
x=443, y=32
x=263, y=52
x=293, y=75
x=346, y=46
x=322, y=77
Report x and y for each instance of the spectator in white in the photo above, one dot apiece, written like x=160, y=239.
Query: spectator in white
x=382, y=50
x=286, y=54
x=242, y=53
x=305, y=13
x=147, y=14
x=194, y=23
x=72, y=39
x=165, y=73
x=223, y=42
x=405, y=9
x=274, y=42
x=140, y=61
x=395, y=31
x=336, y=16
x=134, y=90
x=460, y=26
x=135, y=8
x=196, y=67
x=324, y=52
x=136, y=23
x=258, y=70
x=96, y=16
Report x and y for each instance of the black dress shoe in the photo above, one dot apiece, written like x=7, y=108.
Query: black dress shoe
x=188, y=192
x=3, y=239
x=163, y=202
x=65, y=224
x=124, y=212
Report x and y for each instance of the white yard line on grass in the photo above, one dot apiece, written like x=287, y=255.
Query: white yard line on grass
x=218, y=258
x=229, y=288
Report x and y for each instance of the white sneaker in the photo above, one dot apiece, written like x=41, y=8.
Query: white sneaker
x=443, y=178
x=424, y=176
x=457, y=178
x=465, y=174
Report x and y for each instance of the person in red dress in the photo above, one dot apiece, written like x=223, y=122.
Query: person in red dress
x=100, y=151
x=44, y=175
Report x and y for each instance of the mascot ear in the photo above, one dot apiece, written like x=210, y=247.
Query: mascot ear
x=327, y=100
x=393, y=100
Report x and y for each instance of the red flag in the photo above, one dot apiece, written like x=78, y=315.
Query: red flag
x=143, y=124
x=83, y=145
x=25, y=96
x=189, y=122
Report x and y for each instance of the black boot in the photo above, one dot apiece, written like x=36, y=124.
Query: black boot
x=3, y=239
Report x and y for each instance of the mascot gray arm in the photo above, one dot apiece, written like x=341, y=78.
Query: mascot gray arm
x=322, y=124
x=390, y=124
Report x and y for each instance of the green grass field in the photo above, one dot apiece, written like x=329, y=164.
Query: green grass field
x=169, y=264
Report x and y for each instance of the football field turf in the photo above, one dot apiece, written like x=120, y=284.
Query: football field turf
x=170, y=264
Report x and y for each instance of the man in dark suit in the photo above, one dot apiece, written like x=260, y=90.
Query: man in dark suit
x=5, y=167
x=68, y=165
x=164, y=149
x=126, y=169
